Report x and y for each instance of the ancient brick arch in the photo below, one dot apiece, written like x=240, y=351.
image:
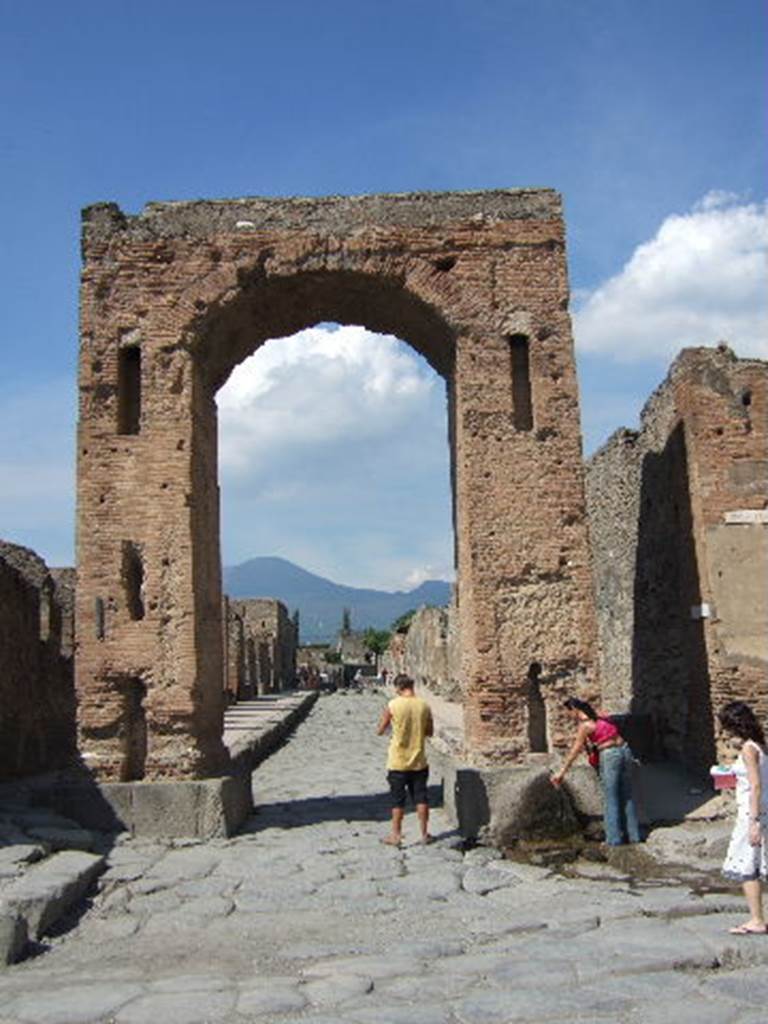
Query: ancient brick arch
x=174, y=298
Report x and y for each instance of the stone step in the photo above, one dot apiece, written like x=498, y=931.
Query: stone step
x=47, y=890
x=13, y=937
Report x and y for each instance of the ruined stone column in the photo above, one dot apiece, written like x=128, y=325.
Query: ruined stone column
x=149, y=660
x=525, y=599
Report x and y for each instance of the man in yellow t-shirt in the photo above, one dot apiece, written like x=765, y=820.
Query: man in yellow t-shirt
x=407, y=771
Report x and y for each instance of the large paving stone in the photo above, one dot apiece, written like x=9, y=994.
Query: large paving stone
x=348, y=890
x=186, y=1007
x=50, y=888
x=12, y=858
x=270, y=996
x=85, y=1003
x=485, y=878
x=190, y=915
x=387, y=966
x=430, y=949
x=741, y=985
x=183, y=865
x=426, y=885
x=162, y=902
x=419, y=987
x=420, y=1013
x=335, y=989
x=694, y=1009
x=523, y=1006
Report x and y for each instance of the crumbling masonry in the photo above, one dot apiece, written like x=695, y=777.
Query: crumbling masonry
x=174, y=298
x=678, y=516
x=260, y=647
x=679, y=532
x=37, y=698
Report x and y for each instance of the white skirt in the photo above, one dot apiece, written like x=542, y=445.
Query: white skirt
x=744, y=862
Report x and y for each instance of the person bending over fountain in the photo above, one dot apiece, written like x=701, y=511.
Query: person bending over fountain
x=600, y=735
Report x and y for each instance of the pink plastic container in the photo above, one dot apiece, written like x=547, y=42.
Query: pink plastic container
x=722, y=778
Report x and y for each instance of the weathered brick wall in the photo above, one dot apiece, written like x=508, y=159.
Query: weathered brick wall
x=660, y=504
x=37, y=711
x=174, y=298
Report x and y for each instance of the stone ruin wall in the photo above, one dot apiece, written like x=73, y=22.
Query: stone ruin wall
x=37, y=627
x=37, y=700
x=679, y=535
x=261, y=648
x=679, y=520
x=428, y=652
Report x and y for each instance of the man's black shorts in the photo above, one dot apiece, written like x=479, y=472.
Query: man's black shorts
x=414, y=783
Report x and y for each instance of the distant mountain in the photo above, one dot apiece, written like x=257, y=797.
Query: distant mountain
x=321, y=602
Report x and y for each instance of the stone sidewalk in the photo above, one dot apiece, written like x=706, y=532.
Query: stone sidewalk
x=306, y=917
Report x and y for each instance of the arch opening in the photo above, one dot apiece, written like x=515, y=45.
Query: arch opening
x=340, y=436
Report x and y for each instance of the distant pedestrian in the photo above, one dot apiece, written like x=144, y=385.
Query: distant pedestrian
x=747, y=858
x=411, y=722
x=598, y=735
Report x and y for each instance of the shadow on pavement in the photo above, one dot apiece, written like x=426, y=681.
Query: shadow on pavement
x=315, y=810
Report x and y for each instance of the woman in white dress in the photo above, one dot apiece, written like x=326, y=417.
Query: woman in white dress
x=747, y=858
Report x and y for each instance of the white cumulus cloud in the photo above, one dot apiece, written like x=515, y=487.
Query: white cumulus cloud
x=701, y=279
x=420, y=574
x=315, y=387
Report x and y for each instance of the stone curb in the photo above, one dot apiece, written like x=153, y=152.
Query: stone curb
x=248, y=750
x=41, y=896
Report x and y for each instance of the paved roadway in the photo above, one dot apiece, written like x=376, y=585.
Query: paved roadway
x=306, y=917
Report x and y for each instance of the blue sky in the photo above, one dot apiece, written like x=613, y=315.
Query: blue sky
x=648, y=117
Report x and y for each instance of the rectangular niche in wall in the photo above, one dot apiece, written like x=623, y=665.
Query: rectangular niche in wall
x=134, y=729
x=522, y=406
x=132, y=572
x=129, y=390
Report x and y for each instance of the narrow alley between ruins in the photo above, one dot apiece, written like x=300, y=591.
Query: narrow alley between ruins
x=306, y=917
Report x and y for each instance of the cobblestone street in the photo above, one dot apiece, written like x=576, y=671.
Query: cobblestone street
x=306, y=916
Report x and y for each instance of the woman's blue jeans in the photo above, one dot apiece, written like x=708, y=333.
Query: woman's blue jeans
x=619, y=812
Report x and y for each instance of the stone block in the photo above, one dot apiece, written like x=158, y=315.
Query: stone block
x=501, y=805
x=13, y=857
x=203, y=808
x=13, y=936
x=524, y=804
x=199, y=808
x=48, y=890
x=582, y=784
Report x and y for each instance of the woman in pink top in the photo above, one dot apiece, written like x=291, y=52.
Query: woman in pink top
x=619, y=812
